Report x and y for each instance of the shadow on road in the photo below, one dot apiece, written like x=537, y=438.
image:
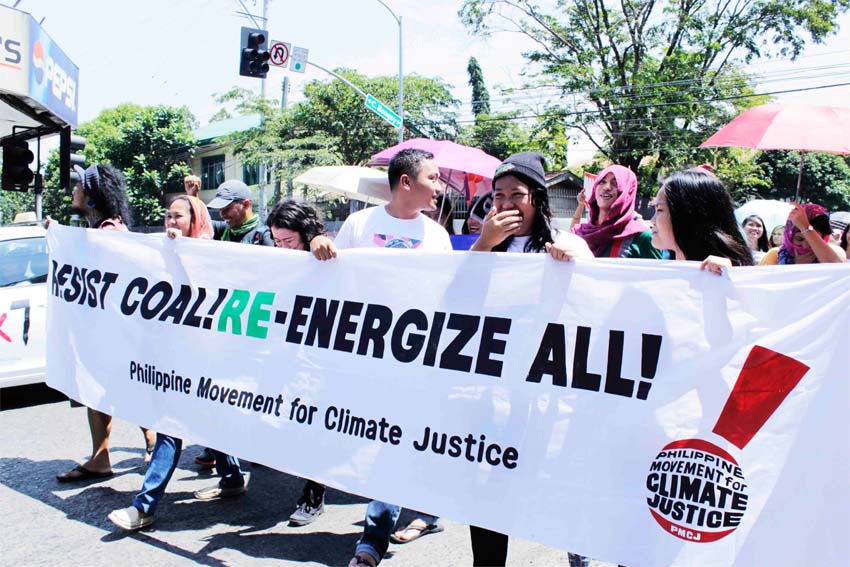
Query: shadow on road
x=270, y=499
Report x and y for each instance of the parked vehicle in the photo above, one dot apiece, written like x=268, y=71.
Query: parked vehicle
x=23, y=301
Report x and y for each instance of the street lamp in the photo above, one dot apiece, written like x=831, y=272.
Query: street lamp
x=400, y=76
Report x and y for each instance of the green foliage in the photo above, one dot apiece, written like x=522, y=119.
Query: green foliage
x=150, y=145
x=656, y=78
x=480, y=94
x=826, y=178
x=14, y=202
x=334, y=111
x=500, y=135
x=277, y=142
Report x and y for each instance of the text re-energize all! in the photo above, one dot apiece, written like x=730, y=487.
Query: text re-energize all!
x=367, y=329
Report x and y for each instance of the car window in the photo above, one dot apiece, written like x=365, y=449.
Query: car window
x=23, y=261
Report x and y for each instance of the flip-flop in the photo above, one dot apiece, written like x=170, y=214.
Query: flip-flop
x=82, y=473
x=417, y=532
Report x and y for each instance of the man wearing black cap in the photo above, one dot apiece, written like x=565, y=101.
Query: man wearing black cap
x=240, y=222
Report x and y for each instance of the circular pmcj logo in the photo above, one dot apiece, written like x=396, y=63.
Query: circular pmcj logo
x=696, y=491
x=38, y=61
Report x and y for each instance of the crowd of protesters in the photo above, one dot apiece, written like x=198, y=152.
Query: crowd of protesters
x=694, y=221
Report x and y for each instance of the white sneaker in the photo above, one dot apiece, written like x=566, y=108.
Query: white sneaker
x=131, y=518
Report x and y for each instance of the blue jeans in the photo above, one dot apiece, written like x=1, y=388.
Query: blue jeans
x=166, y=453
x=380, y=521
x=228, y=469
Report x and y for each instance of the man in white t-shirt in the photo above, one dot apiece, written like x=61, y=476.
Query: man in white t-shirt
x=414, y=185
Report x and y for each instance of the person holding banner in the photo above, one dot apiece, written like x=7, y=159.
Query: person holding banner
x=187, y=217
x=101, y=198
x=613, y=231
x=694, y=218
x=414, y=186
x=520, y=221
x=806, y=239
x=293, y=226
x=241, y=224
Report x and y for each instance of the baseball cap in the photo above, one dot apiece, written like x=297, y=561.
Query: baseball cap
x=89, y=179
x=229, y=191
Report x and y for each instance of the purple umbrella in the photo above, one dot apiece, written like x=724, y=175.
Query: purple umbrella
x=454, y=160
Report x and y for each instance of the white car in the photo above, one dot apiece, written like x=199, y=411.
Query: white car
x=23, y=300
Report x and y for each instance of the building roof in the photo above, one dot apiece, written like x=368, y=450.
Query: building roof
x=220, y=128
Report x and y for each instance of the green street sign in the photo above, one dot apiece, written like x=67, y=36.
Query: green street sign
x=383, y=111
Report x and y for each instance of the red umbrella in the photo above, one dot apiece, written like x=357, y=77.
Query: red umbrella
x=805, y=128
x=460, y=166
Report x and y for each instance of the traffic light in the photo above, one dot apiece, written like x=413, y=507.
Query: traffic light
x=17, y=158
x=69, y=144
x=254, y=53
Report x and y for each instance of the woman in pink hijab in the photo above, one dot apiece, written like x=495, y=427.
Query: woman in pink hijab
x=613, y=231
x=188, y=216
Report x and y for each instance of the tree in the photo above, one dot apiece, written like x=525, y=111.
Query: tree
x=333, y=110
x=150, y=145
x=480, y=94
x=284, y=148
x=654, y=77
x=14, y=202
x=826, y=178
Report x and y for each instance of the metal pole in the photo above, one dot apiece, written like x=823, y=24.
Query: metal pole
x=800, y=175
x=266, y=26
x=400, y=75
x=400, y=87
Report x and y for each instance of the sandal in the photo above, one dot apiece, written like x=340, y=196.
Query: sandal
x=149, y=452
x=414, y=530
x=81, y=473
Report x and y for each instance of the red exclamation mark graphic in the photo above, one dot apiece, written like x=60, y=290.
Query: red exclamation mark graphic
x=763, y=384
x=696, y=490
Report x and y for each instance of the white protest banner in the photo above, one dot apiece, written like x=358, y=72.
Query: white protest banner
x=640, y=412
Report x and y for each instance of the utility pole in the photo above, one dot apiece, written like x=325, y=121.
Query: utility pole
x=266, y=26
x=285, y=91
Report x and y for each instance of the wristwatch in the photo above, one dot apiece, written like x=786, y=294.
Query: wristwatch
x=808, y=229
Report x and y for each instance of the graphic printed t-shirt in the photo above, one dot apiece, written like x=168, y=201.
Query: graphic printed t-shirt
x=375, y=228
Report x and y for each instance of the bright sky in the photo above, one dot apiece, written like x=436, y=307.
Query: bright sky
x=180, y=52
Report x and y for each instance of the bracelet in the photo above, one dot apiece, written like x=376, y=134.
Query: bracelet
x=808, y=229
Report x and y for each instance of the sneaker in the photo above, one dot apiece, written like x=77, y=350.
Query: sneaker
x=131, y=518
x=217, y=491
x=305, y=513
x=206, y=460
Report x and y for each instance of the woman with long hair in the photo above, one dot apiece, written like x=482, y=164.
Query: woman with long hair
x=776, y=236
x=187, y=217
x=756, y=235
x=520, y=221
x=613, y=231
x=806, y=239
x=694, y=219
x=100, y=197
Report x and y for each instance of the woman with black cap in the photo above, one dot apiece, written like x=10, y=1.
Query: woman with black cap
x=520, y=221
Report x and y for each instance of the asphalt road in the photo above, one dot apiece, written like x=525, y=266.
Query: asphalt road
x=47, y=523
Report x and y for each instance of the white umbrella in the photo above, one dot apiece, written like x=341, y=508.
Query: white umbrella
x=773, y=213
x=359, y=183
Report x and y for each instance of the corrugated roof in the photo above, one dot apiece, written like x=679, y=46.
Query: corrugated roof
x=213, y=130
